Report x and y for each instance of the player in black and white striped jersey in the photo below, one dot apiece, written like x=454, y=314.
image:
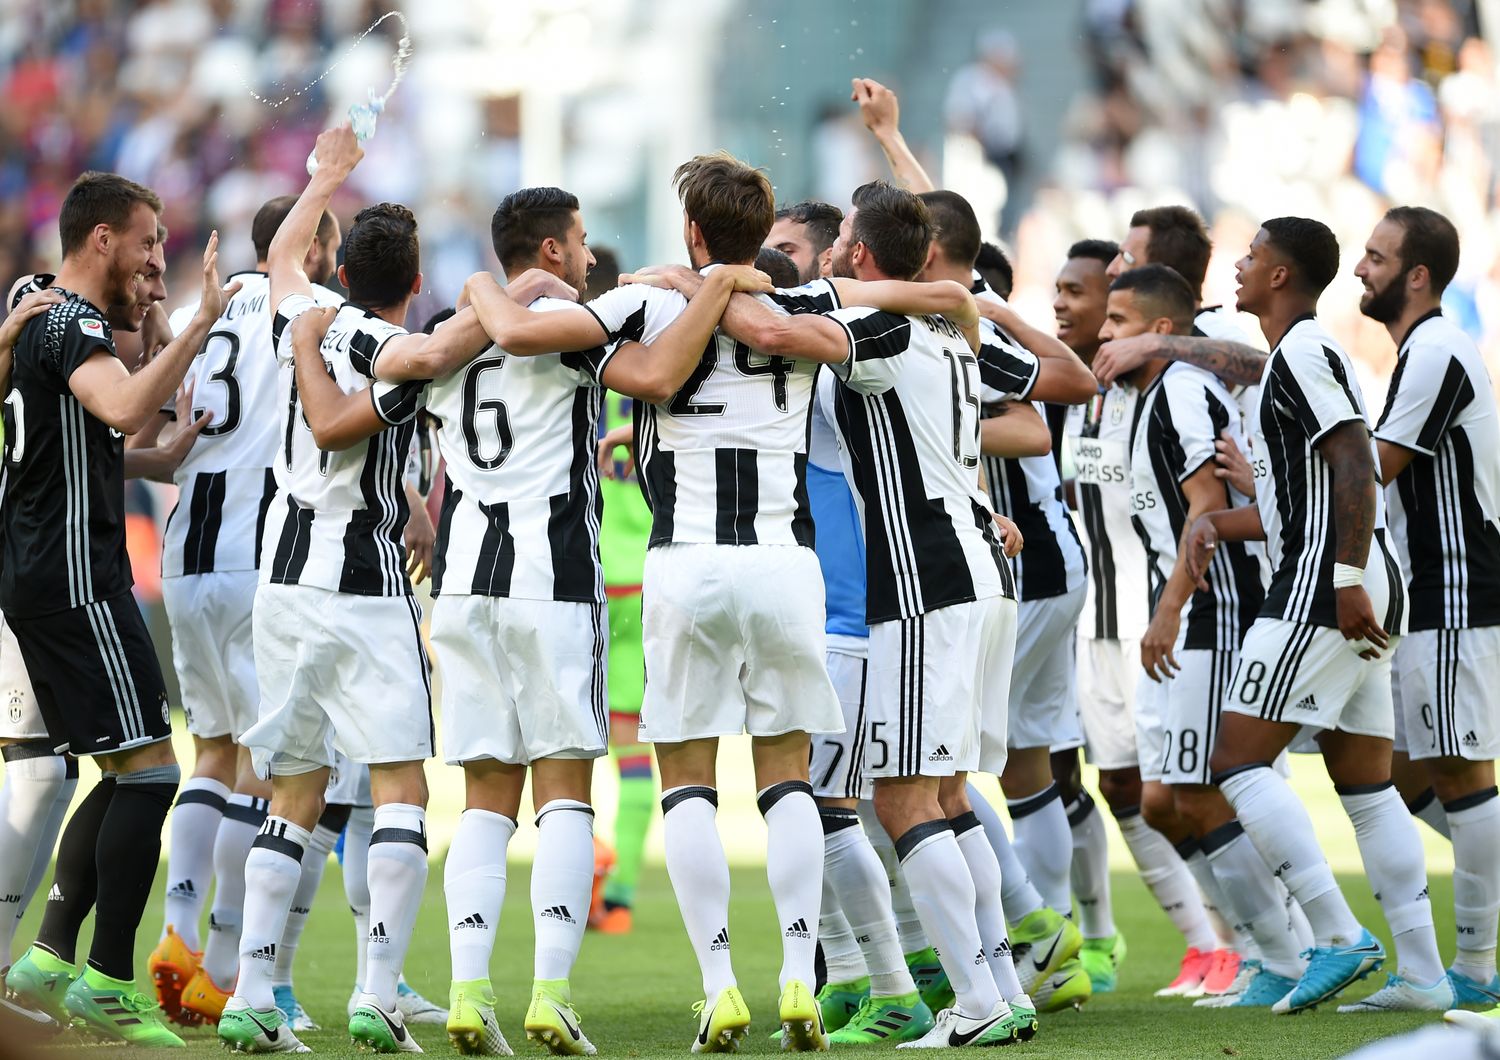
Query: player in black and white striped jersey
x=1319, y=652
x=1438, y=442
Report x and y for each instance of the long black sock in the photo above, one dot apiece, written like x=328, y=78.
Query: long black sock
x=76, y=879
x=127, y=853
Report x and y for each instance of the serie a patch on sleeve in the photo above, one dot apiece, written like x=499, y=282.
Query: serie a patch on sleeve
x=89, y=326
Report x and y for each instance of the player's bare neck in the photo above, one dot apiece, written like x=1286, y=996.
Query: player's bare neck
x=1279, y=317
x=1416, y=309
x=84, y=281
x=942, y=269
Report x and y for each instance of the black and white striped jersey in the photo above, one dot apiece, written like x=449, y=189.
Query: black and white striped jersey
x=521, y=514
x=337, y=518
x=1179, y=416
x=63, y=515
x=724, y=460
x=906, y=404
x=1028, y=490
x=1307, y=389
x=1445, y=504
x=226, y=483
x=1118, y=602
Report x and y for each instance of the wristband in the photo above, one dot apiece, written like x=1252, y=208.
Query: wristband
x=1345, y=576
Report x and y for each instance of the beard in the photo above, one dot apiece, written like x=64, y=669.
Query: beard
x=842, y=266
x=1388, y=303
x=122, y=288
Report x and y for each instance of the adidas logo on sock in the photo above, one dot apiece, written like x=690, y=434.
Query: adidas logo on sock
x=55, y=895
x=184, y=889
x=377, y=933
x=265, y=953
x=1002, y=950
x=559, y=912
x=940, y=755
x=798, y=930
x=721, y=940
x=1308, y=703
x=979, y=957
x=473, y=920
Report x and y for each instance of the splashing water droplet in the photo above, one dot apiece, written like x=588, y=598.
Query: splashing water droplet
x=398, y=65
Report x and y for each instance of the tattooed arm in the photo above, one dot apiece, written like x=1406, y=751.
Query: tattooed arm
x=1346, y=449
x=1233, y=362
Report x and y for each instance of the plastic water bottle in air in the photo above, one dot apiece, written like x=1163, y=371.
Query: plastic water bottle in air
x=362, y=118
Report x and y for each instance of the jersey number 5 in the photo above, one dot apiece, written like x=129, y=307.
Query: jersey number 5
x=487, y=450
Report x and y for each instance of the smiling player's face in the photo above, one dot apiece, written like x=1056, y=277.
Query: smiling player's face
x=130, y=251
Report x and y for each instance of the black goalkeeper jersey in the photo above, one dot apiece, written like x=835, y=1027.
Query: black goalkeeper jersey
x=63, y=516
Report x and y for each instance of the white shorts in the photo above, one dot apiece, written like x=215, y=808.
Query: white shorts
x=1442, y=683
x=1107, y=674
x=348, y=783
x=213, y=649
x=1310, y=676
x=21, y=718
x=338, y=672
x=936, y=700
x=733, y=639
x=1177, y=720
x=522, y=679
x=836, y=756
x=1043, y=704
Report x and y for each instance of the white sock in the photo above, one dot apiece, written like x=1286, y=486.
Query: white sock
x=908, y=925
x=1019, y=895
x=562, y=882
x=1475, y=824
x=313, y=864
x=244, y=816
x=989, y=913
x=474, y=884
x=1427, y=807
x=700, y=879
x=190, y=854
x=794, y=867
x=357, y=883
x=272, y=870
x=1278, y=824
x=398, y=875
x=842, y=959
x=1392, y=853
x=1090, y=868
x=943, y=892
x=1301, y=930
x=1214, y=902
x=1251, y=896
x=29, y=823
x=1166, y=876
x=852, y=872
x=1044, y=845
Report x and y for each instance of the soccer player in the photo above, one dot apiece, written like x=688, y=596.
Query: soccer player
x=1318, y=654
x=805, y=232
x=1439, y=449
x=65, y=589
x=1188, y=650
x=338, y=651
x=210, y=553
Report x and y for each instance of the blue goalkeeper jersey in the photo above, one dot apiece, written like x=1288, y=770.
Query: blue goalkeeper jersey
x=839, y=539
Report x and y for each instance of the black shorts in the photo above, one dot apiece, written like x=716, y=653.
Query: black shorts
x=97, y=681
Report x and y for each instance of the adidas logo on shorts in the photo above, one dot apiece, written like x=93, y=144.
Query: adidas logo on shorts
x=940, y=755
x=473, y=920
x=1470, y=739
x=1307, y=703
x=721, y=940
x=559, y=912
x=798, y=930
x=265, y=953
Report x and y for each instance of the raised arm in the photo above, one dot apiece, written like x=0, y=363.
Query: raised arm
x=1014, y=429
x=338, y=420
x=1233, y=362
x=1061, y=376
x=127, y=401
x=881, y=112
x=338, y=153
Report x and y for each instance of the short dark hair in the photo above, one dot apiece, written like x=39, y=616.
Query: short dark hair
x=272, y=215
x=958, y=234
x=821, y=220
x=437, y=318
x=1179, y=239
x=381, y=255
x=1103, y=251
x=526, y=218
x=894, y=226
x=99, y=198
x=996, y=269
x=1311, y=248
x=775, y=264
x=604, y=276
x=1427, y=238
x=731, y=203
x=1160, y=290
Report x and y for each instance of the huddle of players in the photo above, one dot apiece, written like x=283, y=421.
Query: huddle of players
x=728, y=384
